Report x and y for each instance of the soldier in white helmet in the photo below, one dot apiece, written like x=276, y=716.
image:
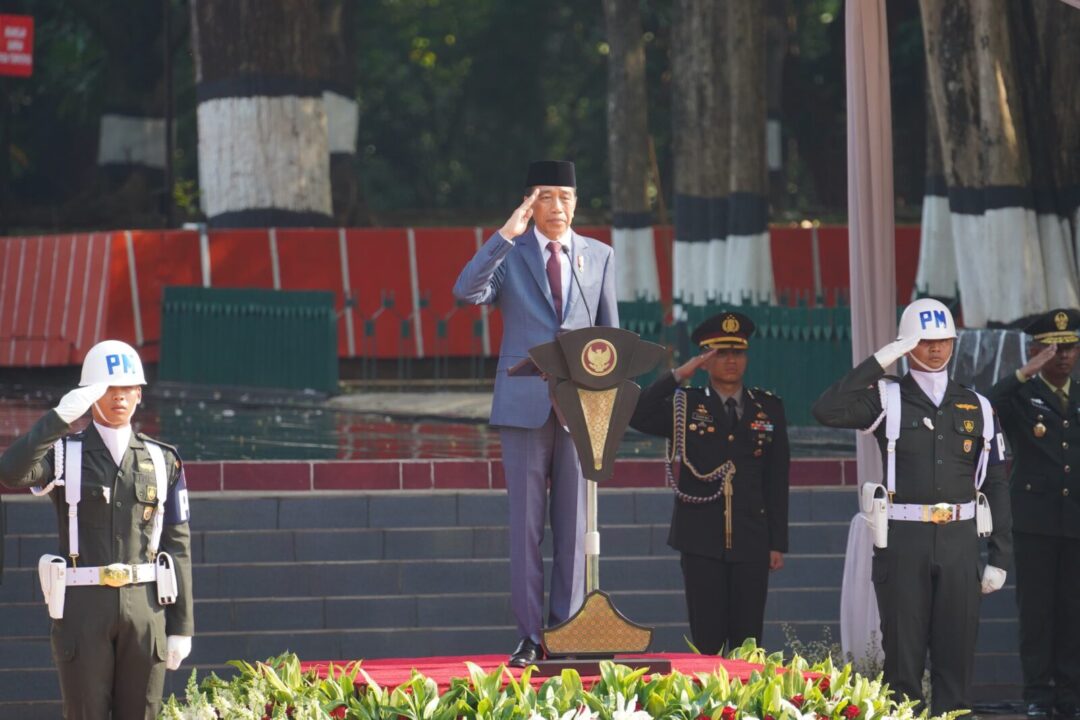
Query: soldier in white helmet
x=119, y=588
x=944, y=487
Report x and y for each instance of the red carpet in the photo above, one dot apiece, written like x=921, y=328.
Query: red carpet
x=395, y=671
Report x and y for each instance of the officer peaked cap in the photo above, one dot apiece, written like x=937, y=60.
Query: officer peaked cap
x=727, y=330
x=1057, y=327
x=559, y=173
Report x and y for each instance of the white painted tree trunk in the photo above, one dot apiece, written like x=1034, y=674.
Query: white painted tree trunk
x=258, y=153
x=1059, y=260
x=748, y=271
x=999, y=265
x=635, y=252
x=936, y=274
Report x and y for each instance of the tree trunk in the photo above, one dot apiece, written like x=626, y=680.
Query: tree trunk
x=701, y=136
x=776, y=47
x=628, y=153
x=936, y=274
x=131, y=130
x=342, y=112
x=1004, y=251
x=748, y=269
x=1057, y=26
x=263, y=147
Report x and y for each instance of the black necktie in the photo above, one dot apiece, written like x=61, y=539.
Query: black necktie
x=1063, y=400
x=732, y=416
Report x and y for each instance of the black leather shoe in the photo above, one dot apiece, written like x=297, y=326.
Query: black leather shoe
x=1038, y=711
x=527, y=653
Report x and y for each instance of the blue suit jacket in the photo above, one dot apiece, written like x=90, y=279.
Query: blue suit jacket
x=511, y=275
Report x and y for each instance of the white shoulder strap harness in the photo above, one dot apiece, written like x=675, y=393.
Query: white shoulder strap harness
x=67, y=464
x=890, y=393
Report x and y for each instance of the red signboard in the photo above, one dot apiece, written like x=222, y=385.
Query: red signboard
x=16, y=45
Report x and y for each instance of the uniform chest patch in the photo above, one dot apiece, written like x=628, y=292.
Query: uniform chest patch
x=966, y=406
x=968, y=444
x=969, y=426
x=763, y=426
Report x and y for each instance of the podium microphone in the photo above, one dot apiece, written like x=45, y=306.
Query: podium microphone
x=573, y=272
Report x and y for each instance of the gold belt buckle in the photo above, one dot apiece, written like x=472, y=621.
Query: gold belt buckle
x=116, y=575
x=941, y=514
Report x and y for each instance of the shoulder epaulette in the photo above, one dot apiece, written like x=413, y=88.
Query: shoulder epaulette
x=146, y=438
x=763, y=391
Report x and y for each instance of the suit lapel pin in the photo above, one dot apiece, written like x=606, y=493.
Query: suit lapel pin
x=581, y=263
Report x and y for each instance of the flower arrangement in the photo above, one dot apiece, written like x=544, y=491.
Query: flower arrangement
x=278, y=690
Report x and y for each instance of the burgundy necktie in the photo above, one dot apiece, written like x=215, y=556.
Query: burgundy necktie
x=554, y=273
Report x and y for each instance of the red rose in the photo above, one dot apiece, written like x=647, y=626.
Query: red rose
x=728, y=713
x=824, y=684
x=851, y=712
x=703, y=716
x=797, y=701
x=338, y=712
x=769, y=717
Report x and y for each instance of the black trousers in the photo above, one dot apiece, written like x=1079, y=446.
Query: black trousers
x=725, y=601
x=1048, y=594
x=927, y=584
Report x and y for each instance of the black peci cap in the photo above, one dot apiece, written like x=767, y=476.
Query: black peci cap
x=559, y=173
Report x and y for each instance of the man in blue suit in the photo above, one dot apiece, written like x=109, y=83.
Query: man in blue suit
x=545, y=280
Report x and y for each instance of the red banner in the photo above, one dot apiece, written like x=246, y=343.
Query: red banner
x=16, y=45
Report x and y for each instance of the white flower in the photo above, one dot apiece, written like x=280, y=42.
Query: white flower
x=626, y=710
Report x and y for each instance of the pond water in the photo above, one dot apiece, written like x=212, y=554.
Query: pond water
x=208, y=426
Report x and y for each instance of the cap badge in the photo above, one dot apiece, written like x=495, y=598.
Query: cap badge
x=730, y=324
x=1061, y=321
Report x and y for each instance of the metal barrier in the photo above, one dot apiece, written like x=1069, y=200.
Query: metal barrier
x=260, y=338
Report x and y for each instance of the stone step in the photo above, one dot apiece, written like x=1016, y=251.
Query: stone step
x=325, y=510
x=242, y=546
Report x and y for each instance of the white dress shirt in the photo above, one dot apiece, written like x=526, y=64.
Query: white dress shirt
x=932, y=383
x=115, y=439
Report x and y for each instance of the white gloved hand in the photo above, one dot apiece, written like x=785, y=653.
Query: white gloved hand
x=77, y=402
x=895, y=350
x=179, y=647
x=993, y=579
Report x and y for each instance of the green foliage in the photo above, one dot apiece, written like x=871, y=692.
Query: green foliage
x=797, y=690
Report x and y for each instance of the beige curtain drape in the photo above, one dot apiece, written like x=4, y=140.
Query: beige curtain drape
x=872, y=266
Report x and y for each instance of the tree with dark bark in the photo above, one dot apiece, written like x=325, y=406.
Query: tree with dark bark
x=628, y=152
x=990, y=82
x=264, y=157
x=701, y=138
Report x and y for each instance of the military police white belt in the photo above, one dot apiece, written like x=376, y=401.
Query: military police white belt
x=941, y=513
x=115, y=575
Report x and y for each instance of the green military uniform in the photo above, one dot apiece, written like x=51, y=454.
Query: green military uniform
x=1044, y=434
x=110, y=645
x=726, y=575
x=927, y=580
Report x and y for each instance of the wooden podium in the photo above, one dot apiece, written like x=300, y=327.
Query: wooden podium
x=589, y=375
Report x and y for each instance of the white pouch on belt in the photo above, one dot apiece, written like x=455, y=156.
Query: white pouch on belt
x=874, y=501
x=166, y=579
x=984, y=519
x=52, y=572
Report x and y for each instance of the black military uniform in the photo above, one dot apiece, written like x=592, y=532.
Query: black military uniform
x=1044, y=434
x=110, y=646
x=927, y=580
x=726, y=582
